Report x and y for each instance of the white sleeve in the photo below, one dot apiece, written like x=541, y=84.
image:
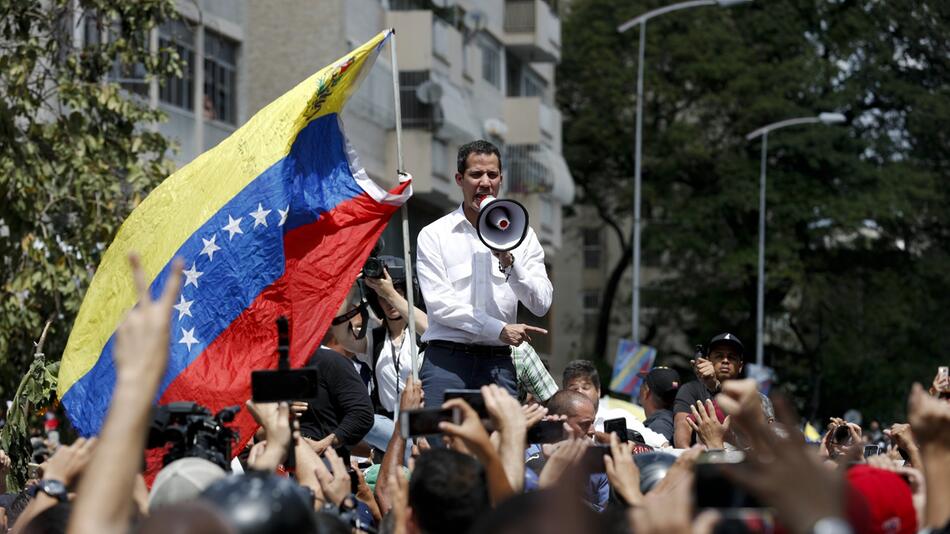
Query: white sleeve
x=653, y=439
x=442, y=302
x=529, y=279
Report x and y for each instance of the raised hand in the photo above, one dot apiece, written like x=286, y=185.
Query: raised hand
x=275, y=418
x=470, y=430
x=706, y=372
x=141, y=349
x=335, y=482
x=533, y=413
x=930, y=419
x=782, y=472
x=412, y=396
x=568, y=453
x=707, y=426
x=622, y=471
x=69, y=461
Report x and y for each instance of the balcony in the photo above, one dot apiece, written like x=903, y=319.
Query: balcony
x=531, y=121
x=532, y=31
x=536, y=169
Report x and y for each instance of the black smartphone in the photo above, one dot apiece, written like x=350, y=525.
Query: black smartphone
x=425, y=421
x=593, y=460
x=473, y=397
x=280, y=385
x=547, y=432
x=354, y=480
x=283, y=383
x=714, y=490
x=618, y=426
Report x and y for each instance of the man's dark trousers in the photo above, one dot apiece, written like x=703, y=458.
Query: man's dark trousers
x=453, y=366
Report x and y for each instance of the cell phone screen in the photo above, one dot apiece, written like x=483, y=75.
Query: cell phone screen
x=547, y=432
x=471, y=396
x=284, y=385
x=425, y=421
x=593, y=461
x=618, y=426
x=871, y=450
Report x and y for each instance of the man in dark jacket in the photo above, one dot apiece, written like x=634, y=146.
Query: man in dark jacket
x=342, y=413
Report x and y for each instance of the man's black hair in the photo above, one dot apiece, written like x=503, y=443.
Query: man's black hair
x=480, y=146
x=581, y=369
x=563, y=402
x=448, y=491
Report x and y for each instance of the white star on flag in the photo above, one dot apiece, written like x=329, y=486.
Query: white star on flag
x=191, y=275
x=260, y=216
x=283, y=215
x=233, y=227
x=183, y=307
x=188, y=338
x=210, y=247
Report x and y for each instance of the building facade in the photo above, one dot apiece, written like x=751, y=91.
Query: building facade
x=468, y=69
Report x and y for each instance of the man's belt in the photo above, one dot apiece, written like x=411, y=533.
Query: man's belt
x=474, y=350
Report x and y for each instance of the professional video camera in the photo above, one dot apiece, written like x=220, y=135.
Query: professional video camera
x=193, y=432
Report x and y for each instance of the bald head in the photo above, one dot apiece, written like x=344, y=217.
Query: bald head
x=578, y=409
x=567, y=402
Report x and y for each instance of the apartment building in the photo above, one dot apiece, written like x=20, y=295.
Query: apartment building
x=468, y=69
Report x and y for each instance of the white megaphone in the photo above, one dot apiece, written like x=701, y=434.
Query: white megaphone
x=502, y=224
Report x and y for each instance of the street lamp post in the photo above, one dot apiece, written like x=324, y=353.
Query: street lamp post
x=763, y=132
x=642, y=22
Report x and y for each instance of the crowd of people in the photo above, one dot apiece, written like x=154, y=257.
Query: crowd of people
x=483, y=440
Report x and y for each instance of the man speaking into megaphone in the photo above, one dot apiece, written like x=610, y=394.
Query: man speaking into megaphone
x=474, y=266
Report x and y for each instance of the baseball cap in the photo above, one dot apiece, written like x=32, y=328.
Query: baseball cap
x=183, y=480
x=728, y=339
x=888, y=498
x=663, y=381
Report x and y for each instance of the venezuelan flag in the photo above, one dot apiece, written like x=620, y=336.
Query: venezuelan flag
x=275, y=220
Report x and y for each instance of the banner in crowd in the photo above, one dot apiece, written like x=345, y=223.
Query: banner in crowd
x=764, y=377
x=275, y=220
x=632, y=359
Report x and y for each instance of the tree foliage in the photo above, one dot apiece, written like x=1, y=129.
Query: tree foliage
x=857, y=220
x=76, y=154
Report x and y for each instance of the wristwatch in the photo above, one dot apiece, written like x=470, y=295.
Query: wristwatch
x=52, y=487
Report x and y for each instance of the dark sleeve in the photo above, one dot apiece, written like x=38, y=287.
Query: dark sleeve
x=685, y=398
x=350, y=399
x=663, y=426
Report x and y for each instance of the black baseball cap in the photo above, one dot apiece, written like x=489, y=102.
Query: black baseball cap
x=663, y=381
x=727, y=339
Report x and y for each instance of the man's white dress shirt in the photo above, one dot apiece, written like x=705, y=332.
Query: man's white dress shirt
x=468, y=299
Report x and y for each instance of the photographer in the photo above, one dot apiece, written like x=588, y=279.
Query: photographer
x=384, y=348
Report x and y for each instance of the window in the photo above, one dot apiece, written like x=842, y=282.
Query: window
x=98, y=32
x=532, y=84
x=491, y=62
x=440, y=159
x=179, y=90
x=220, y=91
x=593, y=248
x=590, y=304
